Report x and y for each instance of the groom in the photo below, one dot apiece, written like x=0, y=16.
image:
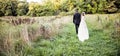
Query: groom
x=76, y=20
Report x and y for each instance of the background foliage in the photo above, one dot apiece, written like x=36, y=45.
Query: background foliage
x=55, y=7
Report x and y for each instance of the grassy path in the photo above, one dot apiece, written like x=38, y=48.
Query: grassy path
x=66, y=43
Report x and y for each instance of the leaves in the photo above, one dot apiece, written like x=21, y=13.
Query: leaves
x=55, y=7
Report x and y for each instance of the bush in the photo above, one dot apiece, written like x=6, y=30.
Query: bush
x=22, y=8
x=8, y=7
x=63, y=13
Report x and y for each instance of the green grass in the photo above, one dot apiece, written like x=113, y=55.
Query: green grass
x=102, y=41
x=66, y=43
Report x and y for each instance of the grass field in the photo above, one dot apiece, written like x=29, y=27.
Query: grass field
x=66, y=43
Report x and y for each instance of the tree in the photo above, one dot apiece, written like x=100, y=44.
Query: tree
x=22, y=8
x=8, y=7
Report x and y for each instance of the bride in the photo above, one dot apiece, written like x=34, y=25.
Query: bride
x=83, y=30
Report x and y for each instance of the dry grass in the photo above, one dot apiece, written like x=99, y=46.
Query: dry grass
x=13, y=39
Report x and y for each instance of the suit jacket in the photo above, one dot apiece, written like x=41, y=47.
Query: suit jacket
x=77, y=18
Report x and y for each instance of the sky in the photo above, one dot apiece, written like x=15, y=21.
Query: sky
x=40, y=1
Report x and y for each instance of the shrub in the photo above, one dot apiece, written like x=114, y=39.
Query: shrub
x=22, y=8
x=8, y=7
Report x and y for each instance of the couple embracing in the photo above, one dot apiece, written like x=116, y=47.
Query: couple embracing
x=80, y=25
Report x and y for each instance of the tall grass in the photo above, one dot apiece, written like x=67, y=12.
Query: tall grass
x=55, y=36
x=17, y=40
x=12, y=42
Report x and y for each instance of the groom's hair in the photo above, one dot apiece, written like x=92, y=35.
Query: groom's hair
x=76, y=10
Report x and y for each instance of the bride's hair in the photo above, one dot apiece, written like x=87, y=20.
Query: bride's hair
x=83, y=13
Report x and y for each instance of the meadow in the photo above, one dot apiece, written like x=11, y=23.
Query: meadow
x=55, y=36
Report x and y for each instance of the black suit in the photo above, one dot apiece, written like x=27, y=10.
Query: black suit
x=76, y=20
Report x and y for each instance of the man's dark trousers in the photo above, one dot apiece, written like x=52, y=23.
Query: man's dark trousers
x=76, y=20
x=76, y=26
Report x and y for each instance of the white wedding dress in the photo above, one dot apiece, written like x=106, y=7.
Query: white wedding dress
x=83, y=30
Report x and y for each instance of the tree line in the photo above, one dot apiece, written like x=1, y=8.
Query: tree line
x=55, y=7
